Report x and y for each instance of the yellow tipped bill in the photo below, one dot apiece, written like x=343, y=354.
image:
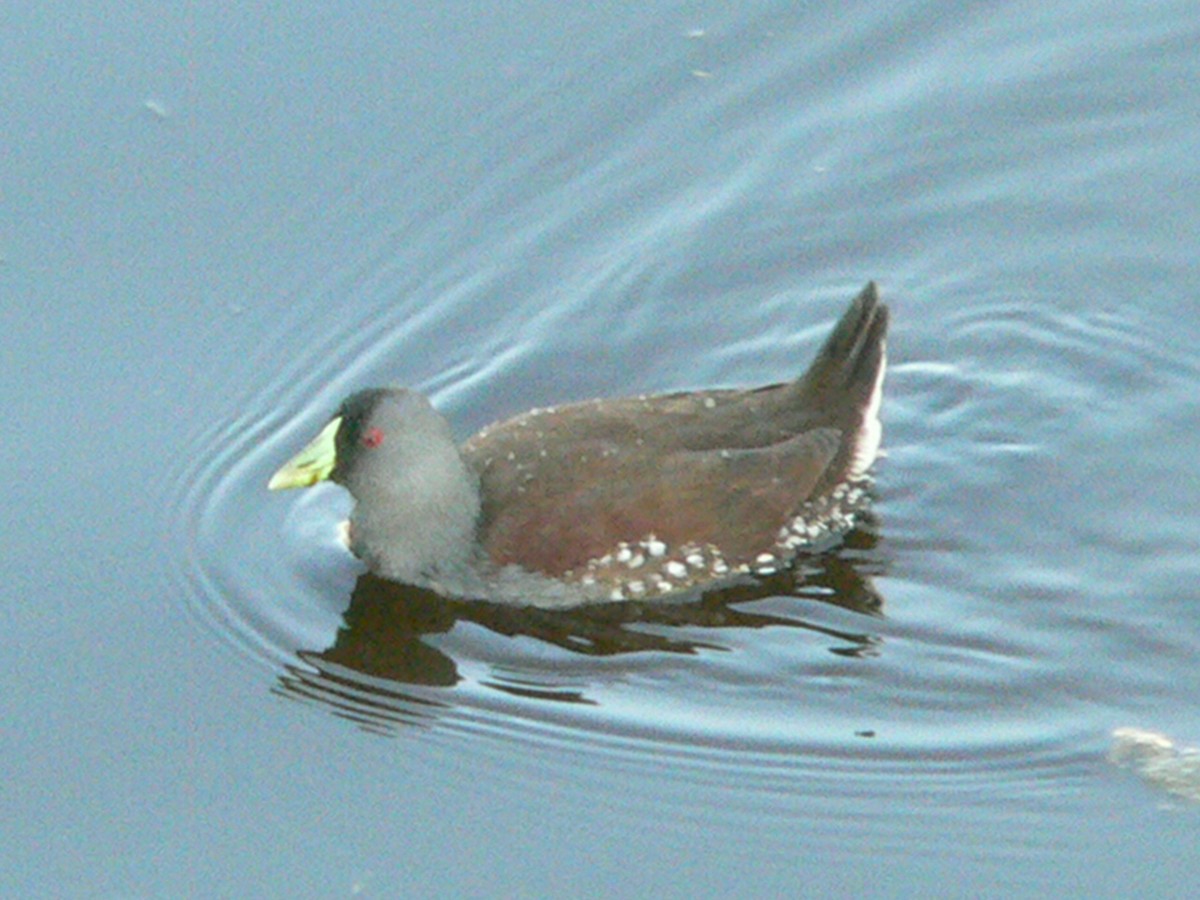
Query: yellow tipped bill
x=312, y=464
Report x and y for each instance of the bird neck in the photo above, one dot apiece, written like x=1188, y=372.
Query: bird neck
x=420, y=524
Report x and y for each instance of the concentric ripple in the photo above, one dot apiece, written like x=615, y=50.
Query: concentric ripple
x=905, y=643
x=979, y=622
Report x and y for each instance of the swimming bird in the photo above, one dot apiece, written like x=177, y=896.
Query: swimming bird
x=606, y=500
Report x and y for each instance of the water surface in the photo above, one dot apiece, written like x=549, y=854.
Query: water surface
x=217, y=224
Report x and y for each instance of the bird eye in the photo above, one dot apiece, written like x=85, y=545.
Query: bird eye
x=372, y=438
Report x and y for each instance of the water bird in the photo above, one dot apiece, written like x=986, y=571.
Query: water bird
x=637, y=498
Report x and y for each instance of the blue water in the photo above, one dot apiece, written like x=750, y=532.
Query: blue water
x=217, y=223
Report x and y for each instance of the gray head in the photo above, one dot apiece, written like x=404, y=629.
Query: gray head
x=416, y=502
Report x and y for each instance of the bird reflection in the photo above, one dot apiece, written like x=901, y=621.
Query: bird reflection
x=381, y=663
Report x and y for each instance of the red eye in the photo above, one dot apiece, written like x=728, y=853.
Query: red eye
x=372, y=438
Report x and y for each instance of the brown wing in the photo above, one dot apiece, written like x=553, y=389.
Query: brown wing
x=563, y=486
x=555, y=512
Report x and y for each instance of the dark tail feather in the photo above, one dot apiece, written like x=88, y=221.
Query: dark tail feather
x=842, y=388
x=841, y=380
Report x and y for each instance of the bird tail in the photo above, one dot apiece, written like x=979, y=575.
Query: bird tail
x=844, y=385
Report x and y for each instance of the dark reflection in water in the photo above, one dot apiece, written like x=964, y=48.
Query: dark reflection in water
x=383, y=647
